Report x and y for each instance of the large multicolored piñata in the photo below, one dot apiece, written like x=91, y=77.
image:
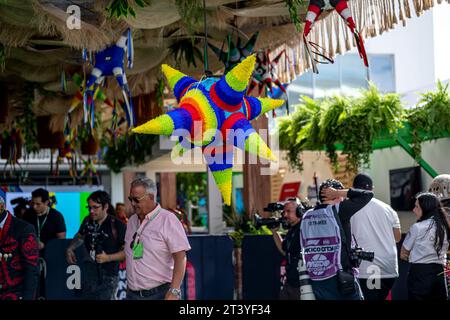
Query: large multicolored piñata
x=215, y=115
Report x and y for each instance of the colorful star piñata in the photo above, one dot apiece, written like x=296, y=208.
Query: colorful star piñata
x=236, y=52
x=315, y=9
x=215, y=115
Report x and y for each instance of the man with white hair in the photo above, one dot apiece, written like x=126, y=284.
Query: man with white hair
x=440, y=186
x=19, y=257
x=155, y=247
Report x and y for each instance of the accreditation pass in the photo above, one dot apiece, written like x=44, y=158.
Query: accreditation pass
x=226, y=309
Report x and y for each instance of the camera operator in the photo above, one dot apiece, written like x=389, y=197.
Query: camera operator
x=325, y=236
x=290, y=248
x=21, y=207
x=104, y=237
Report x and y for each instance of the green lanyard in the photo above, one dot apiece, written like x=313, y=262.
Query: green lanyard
x=39, y=226
x=148, y=221
x=138, y=246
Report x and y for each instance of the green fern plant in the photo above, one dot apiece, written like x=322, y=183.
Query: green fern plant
x=353, y=123
x=122, y=8
x=186, y=50
x=27, y=122
x=431, y=117
x=293, y=7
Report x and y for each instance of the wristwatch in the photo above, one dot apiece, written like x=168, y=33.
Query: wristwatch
x=175, y=292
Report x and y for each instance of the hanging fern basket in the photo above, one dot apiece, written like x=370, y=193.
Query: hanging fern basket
x=90, y=146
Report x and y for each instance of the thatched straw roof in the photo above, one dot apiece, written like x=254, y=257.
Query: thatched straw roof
x=38, y=45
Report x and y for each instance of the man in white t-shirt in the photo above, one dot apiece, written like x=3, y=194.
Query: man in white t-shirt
x=376, y=227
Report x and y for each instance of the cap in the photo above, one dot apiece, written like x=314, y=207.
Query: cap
x=363, y=181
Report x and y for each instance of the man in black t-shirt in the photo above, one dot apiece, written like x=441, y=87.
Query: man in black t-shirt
x=103, y=237
x=48, y=223
x=290, y=248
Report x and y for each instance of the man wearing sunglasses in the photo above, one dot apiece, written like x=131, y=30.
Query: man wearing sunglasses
x=103, y=236
x=155, y=247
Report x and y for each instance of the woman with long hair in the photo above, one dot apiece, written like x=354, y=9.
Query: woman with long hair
x=425, y=247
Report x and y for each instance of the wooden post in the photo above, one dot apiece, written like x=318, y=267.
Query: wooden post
x=257, y=187
x=146, y=107
x=168, y=190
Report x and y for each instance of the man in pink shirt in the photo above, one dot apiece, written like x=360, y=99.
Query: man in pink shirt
x=155, y=247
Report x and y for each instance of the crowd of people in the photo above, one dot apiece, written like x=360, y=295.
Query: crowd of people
x=333, y=233
x=153, y=242
x=327, y=239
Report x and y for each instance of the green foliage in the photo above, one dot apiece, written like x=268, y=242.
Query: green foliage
x=185, y=49
x=27, y=122
x=294, y=130
x=431, y=117
x=83, y=132
x=242, y=226
x=293, y=7
x=192, y=185
x=248, y=229
x=129, y=150
x=335, y=111
x=368, y=117
x=352, y=122
x=190, y=12
x=122, y=8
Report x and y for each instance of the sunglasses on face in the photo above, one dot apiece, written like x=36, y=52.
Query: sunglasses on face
x=136, y=199
x=93, y=207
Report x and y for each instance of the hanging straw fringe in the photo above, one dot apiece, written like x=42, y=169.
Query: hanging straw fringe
x=401, y=16
x=51, y=21
x=407, y=8
x=373, y=17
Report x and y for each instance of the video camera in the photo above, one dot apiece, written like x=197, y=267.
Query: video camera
x=274, y=207
x=21, y=205
x=272, y=222
x=21, y=202
x=357, y=255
